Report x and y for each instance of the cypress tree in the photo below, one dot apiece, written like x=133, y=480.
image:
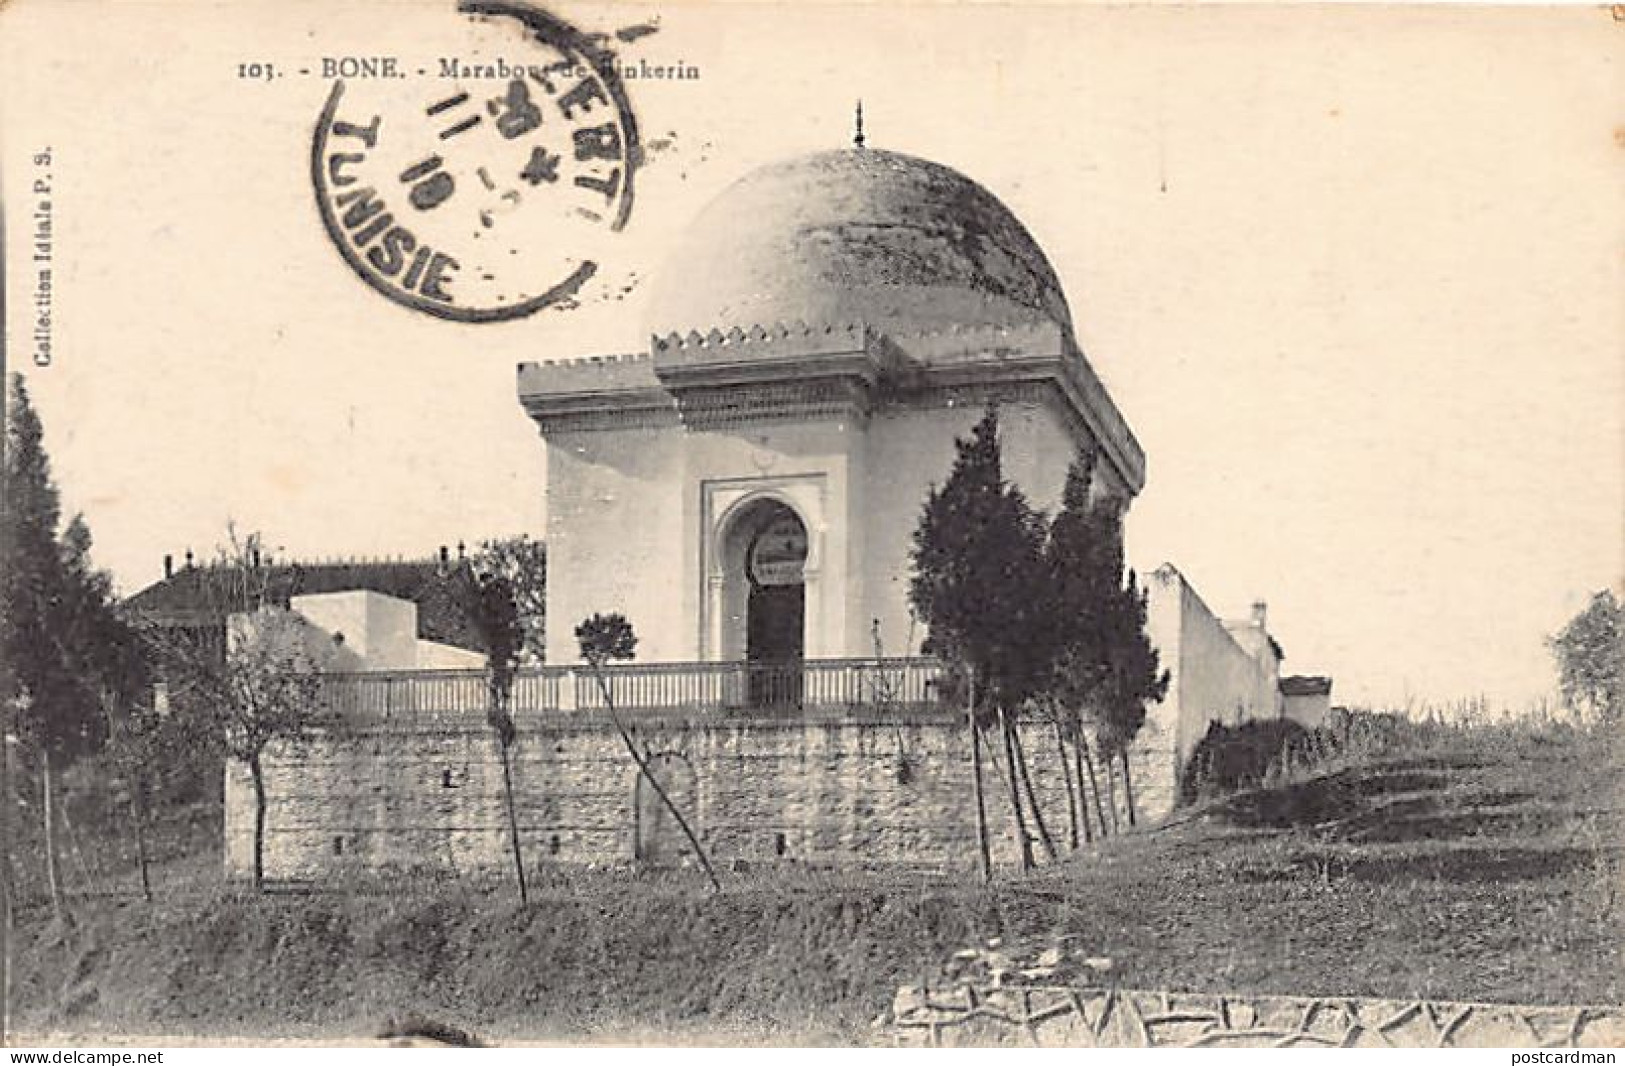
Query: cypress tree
x=978, y=584
x=1105, y=668
x=61, y=645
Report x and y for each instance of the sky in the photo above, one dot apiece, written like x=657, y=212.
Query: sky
x=1353, y=275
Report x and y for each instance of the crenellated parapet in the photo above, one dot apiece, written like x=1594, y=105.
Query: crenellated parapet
x=594, y=392
x=798, y=370
x=588, y=371
x=778, y=340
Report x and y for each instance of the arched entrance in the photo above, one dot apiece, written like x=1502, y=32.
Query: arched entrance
x=765, y=556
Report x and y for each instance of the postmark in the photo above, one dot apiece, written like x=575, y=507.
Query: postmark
x=484, y=196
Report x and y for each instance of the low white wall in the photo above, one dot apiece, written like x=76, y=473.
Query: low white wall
x=379, y=632
x=435, y=656
x=1309, y=711
x=1213, y=677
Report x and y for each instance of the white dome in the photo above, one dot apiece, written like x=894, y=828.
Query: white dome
x=857, y=235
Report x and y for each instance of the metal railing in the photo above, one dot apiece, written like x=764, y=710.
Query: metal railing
x=403, y=692
x=727, y=688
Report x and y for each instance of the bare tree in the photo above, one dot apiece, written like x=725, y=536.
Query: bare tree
x=132, y=742
x=265, y=688
x=495, y=616
x=607, y=637
x=268, y=690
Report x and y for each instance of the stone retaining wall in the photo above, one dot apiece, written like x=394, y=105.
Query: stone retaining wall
x=843, y=790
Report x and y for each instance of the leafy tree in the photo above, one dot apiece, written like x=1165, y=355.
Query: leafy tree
x=57, y=624
x=978, y=584
x=496, y=620
x=1590, y=654
x=521, y=561
x=605, y=638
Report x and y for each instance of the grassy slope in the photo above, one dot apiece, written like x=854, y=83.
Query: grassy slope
x=1483, y=867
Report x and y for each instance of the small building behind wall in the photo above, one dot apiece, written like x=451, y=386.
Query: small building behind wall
x=1218, y=671
x=370, y=631
x=192, y=602
x=1307, y=699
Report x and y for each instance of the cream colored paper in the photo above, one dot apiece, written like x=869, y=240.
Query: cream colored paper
x=1352, y=273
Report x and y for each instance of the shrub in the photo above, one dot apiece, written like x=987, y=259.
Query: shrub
x=1231, y=758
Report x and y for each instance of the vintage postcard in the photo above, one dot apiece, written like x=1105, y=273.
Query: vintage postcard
x=835, y=524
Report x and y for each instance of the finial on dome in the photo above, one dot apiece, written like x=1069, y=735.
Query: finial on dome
x=857, y=137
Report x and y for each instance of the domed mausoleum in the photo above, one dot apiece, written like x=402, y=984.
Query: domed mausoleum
x=745, y=490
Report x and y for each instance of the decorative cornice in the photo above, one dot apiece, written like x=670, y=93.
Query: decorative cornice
x=793, y=371
x=798, y=370
x=595, y=392
x=620, y=412
x=802, y=399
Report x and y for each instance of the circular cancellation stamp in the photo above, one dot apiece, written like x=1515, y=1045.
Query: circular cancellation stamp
x=479, y=190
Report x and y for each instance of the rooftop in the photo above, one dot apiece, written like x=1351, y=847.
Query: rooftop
x=1306, y=685
x=204, y=595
